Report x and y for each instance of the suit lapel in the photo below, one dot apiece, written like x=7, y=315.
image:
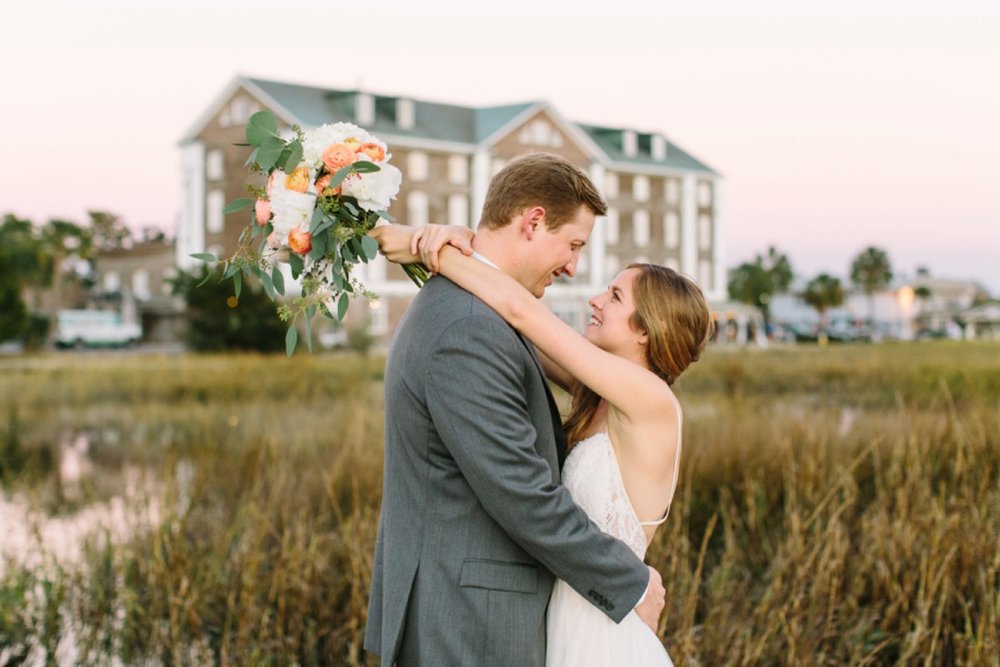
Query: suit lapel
x=557, y=428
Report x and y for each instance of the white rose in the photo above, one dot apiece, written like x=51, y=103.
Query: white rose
x=316, y=140
x=374, y=191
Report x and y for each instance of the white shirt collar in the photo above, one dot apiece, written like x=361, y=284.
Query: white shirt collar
x=484, y=260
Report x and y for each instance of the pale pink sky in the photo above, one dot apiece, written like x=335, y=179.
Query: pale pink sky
x=836, y=127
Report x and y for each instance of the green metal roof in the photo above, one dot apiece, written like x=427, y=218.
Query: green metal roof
x=609, y=139
x=313, y=106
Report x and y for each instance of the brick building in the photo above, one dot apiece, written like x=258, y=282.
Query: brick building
x=664, y=203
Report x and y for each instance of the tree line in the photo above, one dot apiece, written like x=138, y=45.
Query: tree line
x=756, y=282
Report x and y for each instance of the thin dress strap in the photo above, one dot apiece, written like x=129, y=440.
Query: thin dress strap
x=677, y=462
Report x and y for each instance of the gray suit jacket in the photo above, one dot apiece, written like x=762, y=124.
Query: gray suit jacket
x=474, y=523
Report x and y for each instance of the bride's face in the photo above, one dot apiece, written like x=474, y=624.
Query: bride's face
x=610, y=327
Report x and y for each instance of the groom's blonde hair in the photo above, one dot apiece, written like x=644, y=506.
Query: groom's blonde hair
x=540, y=179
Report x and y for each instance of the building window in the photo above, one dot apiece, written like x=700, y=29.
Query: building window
x=671, y=229
x=705, y=231
x=458, y=169
x=705, y=274
x=640, y=188
x=112, y=281
x=416, y=208
x=214, y=164
x=704, y=194
x=540, y=133
x=611, y=184
x=611, y=227
x=140, y=284
x=166, y=285
x=673, y=191
x=611, y=264
x=215, y=204
x=417, y=166
x=458, y=210
x=640, y=228
x=569, y=312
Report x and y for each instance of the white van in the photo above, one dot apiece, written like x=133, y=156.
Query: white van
x=92, y=328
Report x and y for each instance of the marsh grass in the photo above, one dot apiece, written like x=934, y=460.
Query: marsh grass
x=836, y=506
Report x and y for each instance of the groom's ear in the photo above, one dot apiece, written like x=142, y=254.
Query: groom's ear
x=532, y=220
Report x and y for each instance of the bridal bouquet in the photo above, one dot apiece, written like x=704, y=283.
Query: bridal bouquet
x=326, y=188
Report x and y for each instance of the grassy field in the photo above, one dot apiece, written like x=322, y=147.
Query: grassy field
x=836, y=506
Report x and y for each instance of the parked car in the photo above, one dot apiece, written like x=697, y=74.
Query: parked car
x=95, y=328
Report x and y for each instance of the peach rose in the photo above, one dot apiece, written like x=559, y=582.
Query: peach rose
x=323, y=183
x=338, y=155
x=299, y=241
x=374, y=152
x=298, y=180
x=262, y=209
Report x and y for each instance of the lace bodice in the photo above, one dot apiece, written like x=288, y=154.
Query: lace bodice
x=592, y=476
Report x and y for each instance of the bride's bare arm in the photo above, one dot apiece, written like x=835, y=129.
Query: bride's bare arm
x=633, y=390
x=554, y=371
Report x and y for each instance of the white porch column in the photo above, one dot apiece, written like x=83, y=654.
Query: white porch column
x=689, y=235
x=596, y=243
x=480, y=184
x=720, y=291
x=191, y=222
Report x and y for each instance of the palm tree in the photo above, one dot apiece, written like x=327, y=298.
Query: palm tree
x=822, y=293
x=757, y=282
x=871, y=271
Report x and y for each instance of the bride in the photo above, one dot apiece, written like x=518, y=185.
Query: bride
x=624, y=426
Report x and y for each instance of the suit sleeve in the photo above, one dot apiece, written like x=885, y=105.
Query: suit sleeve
x=476, y=399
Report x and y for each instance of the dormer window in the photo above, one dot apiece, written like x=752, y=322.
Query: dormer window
x=659, y=148
x=364, y=110
x=630, y=143
x=405, y=116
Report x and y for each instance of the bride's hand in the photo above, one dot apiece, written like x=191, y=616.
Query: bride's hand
x=394, y=243
x=429, y=239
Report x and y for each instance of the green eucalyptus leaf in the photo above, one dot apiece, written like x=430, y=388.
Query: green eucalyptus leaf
x=365, y=167
x=294, y=156
x=205, y=256
x=231, y=269
x=370, y=247
x=237, y=205
x=385, y=216
x=291, y=338
x=269, y=152
x=342, y=304
x=309, y=337
x=251, y=159
x=265, y=280
x=237, y=284
x=263, y=125
x=295, y=261
x=278, y=279
x=339, y=177
x=311, y=311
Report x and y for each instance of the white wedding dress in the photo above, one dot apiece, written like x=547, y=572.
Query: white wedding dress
x=578, y=633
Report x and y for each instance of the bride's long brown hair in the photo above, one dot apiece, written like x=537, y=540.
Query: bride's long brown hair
x=672, y=311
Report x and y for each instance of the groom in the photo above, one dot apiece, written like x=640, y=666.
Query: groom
x=475, y=525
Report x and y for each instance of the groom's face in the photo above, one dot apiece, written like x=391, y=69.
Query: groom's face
x=555, y=253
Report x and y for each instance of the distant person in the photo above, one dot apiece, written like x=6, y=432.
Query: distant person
x=625, y=425
x=475, y=526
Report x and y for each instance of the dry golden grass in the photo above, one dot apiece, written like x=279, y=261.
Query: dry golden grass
x=837, y=506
